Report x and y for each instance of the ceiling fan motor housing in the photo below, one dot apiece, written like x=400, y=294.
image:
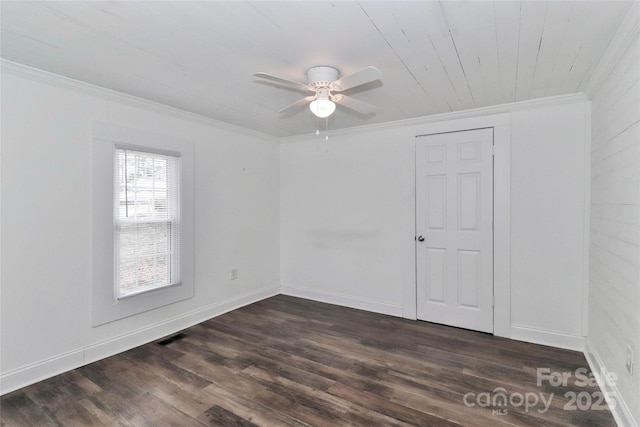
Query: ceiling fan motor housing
x=322, y=76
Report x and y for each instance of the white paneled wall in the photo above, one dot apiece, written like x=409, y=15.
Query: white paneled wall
x=614, y=292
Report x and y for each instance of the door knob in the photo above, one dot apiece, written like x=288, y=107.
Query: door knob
x=420, y=239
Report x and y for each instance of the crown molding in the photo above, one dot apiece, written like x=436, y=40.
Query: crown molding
x=454, y=115
x=620, y=42
x=37, y=75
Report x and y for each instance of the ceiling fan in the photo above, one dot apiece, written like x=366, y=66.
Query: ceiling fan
x=326, y=84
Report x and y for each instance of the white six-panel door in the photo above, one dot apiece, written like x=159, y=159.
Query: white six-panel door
x=454, y=229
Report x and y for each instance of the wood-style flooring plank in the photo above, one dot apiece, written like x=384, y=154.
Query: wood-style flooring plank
x=287, y=361
x=17, y=409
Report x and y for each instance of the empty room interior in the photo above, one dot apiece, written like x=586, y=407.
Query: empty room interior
x=319, y=213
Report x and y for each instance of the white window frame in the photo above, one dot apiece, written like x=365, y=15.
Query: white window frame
x=173, y=206
x=106, y=306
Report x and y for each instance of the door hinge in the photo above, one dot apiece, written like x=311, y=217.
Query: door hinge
x=493, y=150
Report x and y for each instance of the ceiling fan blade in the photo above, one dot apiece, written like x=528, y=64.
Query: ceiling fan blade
x=286, y=82
x=299, y=103
x=366, y=75
x=353, y=104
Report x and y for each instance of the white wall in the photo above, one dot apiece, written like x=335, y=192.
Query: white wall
x=548, y=220
x=46, y=223
x=614, y=291
x=347, y=218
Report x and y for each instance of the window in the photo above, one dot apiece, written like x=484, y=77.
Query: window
x=142, y=221
x=147, y=221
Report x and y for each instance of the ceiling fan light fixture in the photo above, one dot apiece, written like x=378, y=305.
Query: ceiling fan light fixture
x=327, y=84
x=322, y=107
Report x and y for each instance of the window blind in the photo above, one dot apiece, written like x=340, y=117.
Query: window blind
x=147, y=221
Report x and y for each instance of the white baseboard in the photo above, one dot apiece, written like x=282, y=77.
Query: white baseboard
x=41, y=370
x=545, y=337
x=343, y=300
x=617, y=405
x=47, y=368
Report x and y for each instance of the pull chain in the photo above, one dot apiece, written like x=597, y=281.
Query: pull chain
x=326, y=137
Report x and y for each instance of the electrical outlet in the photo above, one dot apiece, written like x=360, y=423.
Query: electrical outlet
x=629, y=363
x=234, y=273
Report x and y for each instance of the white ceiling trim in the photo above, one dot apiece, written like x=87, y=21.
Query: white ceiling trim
x=41, y=76
x=454, y=115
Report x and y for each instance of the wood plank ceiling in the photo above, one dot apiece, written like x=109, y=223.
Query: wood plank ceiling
x=436, y=57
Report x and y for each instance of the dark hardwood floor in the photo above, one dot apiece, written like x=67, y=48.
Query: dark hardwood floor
x=291, y=362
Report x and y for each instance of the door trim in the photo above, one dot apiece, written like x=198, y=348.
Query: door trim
x=501, y=124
